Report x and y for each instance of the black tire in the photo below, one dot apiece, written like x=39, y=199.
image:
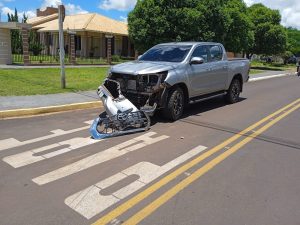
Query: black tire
x=175, y=104
x=234, y=91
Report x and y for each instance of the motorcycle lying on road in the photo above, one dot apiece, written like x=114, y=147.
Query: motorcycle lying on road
x=120, y=116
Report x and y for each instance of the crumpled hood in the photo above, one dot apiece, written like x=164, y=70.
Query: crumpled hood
x=143, y=67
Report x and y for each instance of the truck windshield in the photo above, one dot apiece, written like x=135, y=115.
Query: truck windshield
x=167, y=53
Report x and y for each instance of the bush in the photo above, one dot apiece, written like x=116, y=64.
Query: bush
x=36, y=48
x=115, y=58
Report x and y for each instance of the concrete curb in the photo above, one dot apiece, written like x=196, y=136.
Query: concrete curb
x=48, y=109
x=269, y=77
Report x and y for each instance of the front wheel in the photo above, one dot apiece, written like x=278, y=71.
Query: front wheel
x=175, y=105
x=234, y=91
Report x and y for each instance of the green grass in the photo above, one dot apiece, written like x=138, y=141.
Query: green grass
x=47, y=80
x=253, y=71
x=271, y=66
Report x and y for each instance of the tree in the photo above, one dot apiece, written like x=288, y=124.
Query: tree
x=293, y=40
x=269, y=36
x=239, y=36
x=34, y=45
x=157, y=21
x=16, y=39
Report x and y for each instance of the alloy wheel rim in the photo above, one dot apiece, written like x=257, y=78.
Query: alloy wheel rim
x=235, y=91
x=178, y=101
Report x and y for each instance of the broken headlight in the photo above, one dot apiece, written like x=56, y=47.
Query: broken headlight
x=151, y=82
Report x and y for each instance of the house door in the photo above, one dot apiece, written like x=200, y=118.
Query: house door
x=124, y=46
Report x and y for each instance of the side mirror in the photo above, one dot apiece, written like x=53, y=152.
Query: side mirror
x=197, y=60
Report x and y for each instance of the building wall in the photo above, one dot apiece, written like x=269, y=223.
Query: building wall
x=5, y=47
x=93, y=44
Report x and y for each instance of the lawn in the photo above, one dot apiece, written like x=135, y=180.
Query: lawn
x=271, y=66
x=47, y=80
x=253, y=71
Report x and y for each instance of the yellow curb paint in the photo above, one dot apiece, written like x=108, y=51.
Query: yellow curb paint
x=144, y=194
x=149, y=209
x=48, y=109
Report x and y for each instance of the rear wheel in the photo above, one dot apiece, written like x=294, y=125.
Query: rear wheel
x=234, y=91
x=175, y=105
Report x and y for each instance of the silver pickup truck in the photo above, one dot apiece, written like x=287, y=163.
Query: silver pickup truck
x=169, y=76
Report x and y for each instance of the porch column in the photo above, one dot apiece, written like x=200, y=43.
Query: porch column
x=84, y=45
x=72, y=49
x=109, y=37
x=25, y=44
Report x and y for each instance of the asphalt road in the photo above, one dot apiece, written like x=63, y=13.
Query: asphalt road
x=204, y=169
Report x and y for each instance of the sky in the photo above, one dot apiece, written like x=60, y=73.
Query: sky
x=118, y=9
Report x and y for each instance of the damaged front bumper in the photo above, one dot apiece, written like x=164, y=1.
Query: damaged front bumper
x=147, y=92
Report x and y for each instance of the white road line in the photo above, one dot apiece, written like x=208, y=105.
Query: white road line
x=12, y=142
x=100, y=157
x=29, y=157
x=269, y=77
x=90, y=202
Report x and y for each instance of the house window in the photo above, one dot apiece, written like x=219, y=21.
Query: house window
x=77, y=43
x=50, y=39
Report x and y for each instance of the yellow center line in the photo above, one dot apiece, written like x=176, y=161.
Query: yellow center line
x=149, y=209
x=148, y=191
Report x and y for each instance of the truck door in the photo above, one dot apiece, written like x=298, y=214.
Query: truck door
x=219, y=69
x=199, y=74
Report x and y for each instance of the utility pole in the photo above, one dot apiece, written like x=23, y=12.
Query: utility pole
x=61, y=18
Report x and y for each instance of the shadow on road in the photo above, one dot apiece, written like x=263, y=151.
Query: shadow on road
x=194, y=109
x=201, y=107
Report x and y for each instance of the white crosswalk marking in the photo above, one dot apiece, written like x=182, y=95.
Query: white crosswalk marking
x=95, y=159
x=29, y=157
x=12, y=142
x=90, y=202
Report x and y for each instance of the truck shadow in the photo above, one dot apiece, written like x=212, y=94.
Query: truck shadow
x=205, y=106
x=194, y=109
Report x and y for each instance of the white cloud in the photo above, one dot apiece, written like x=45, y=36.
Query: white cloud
x=123, y=19
x=29, y=13
x=289, y=10
x=49, y=3
x=6, y=10
x=74, y=9
x=70, y=8
x=120, y=5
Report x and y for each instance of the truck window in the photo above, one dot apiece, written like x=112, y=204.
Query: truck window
x=201, y=51
x=167, y=53
x=216, y=53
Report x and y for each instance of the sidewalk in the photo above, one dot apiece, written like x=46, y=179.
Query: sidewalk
x=83, y=99
x=35, y=101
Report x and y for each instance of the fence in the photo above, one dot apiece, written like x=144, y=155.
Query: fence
x=54, y=59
